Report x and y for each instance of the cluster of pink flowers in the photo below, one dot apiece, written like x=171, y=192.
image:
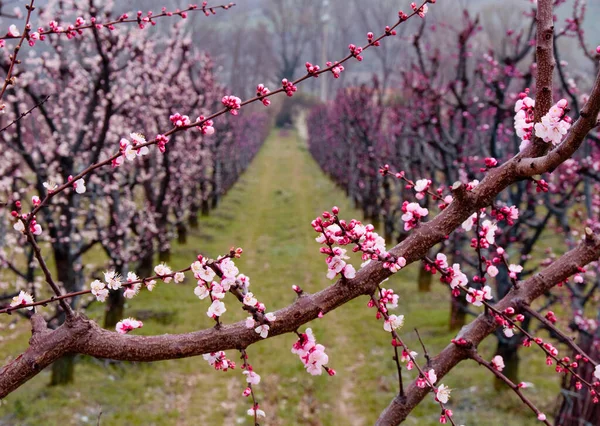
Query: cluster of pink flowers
x=206, y=271
x=206, y=128
x=262, y=329
x=164, y=272
x=421, y=187
x=261, y=90
x=555, y=124
x=388, y=299
x=161, y=142
x=132, y=284
x=19, y=225
x=356, y=51
x=421, y=11
x=332, y=233
x=288, y=87
x=508, y=326
x=233, y=103
x=413, y=212
x=131, y=149
x=408, y=357
x=388, y=29
x=477, y=296
x=428, y=380
x=335, y=231
x=487, y=234
x=370, y=38
x=336, y=70
x=452, y=276
x=312, y=69
x=524, y=118
x=99, y=290
x=219, y=361
x=311, y=354
x=508, y=213
x=179, y=120
x=128, y=324
x=336, y=262
x=487, y=229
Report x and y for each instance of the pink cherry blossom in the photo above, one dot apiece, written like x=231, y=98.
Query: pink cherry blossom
x=251, y=377
x=112, y=280
x=393, y=322
x=99, y=290
x=255, y=411
x=79, y=186
x=233, y=103
x=128, y=324
x=476, y=297
x=22, y=298
x=216, y=309
x=498, y=363
x=413, y=212
x=514, y=270
x=443, y=393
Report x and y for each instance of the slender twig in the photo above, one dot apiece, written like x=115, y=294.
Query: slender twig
x=47, y=274
x=425, y=353
x=24, y=114
x=13, y=58
x=60, y=297
x=476, y=357
x=566, y=339
x=137, y=20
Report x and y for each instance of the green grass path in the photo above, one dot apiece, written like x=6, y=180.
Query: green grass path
x=268, y=214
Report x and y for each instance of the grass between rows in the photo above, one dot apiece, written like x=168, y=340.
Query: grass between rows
x=268, y=213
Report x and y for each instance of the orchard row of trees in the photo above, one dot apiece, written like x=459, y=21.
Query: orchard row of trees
x=437, y=119
x=451, y=119
x=94, y=90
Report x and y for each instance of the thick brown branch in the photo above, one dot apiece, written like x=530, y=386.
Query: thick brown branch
x=484, y=325
x=585, y=123
x=544, y=58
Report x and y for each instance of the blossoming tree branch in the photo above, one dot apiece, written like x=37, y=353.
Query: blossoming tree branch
x=549, y=137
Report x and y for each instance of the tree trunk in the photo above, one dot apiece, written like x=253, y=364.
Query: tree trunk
x=63, y=370
x=193, y=219
x=113, y=313
x=458, y=313
x=215, y=183
x=146, y=265
x=507, y=349
x=576, y=406
x=181, y=233
x=424, y=280
x=205, y=208
x=164, y=255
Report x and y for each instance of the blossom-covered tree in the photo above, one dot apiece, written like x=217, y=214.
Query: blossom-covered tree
x=549, y=137
x=446, y=126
